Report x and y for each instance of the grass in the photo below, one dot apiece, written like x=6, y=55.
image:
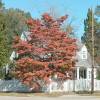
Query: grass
x=55, y=94
x=88, y=93
x=14, y=94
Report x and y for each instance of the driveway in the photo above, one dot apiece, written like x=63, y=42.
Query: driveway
x=70, y=97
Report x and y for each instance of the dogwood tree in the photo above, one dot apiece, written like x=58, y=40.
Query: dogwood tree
x=48, y=51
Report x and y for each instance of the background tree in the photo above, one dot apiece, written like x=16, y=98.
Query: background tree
x=1, y=6
x=97, y=11
x=48, y=52
x=4, y=48
x=4, y=57
x=15, y=23
x=87, y=36
x=12, y=21
x=97, y=14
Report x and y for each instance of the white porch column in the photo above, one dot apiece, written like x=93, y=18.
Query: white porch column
x=95, y=73
x=77, y=73
x=88, y=73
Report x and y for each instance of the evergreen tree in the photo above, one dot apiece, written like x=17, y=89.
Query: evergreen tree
x=97, y=10
x=87, y=36
x=12, y=22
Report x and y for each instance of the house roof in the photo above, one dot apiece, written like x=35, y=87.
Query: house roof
x=25, y=35
x=83, y=62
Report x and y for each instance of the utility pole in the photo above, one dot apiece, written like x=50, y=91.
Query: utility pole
x=92, y=71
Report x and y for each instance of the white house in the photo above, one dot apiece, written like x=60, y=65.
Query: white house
x=24, y=37
x=84, y=63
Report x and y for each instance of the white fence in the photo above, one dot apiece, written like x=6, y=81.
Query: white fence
x=12, y=86
x=54, y=86
x=73, y=85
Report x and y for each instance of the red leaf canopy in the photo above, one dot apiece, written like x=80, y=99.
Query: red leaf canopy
x=49, y=51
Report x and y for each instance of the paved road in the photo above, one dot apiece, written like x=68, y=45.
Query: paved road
x=50, y=98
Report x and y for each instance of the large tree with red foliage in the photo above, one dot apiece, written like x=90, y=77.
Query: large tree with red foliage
x=48, y=51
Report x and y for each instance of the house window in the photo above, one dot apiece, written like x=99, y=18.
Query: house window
x=84, y=55
x=82, y=73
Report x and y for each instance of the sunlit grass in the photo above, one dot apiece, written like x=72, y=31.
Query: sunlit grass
x=55, y=94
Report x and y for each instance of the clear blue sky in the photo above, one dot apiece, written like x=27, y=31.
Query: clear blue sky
x=76, y=9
